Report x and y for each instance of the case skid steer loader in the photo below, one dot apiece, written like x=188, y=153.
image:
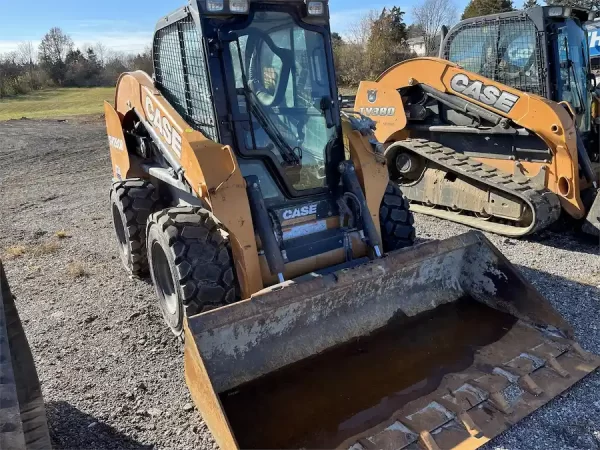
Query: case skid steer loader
x=481, y=144
x=275, y=243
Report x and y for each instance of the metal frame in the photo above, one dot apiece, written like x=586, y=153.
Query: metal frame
x=533, y=16
x=200, y=9
x=546, y=29
x=205, y=118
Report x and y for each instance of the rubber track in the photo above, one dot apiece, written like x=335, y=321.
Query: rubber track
x=544, y=204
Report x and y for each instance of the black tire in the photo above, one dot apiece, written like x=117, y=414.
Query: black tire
x=396, y=220
x=190, y=263
x=132, y=202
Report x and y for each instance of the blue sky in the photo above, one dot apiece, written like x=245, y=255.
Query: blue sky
x=127, y=25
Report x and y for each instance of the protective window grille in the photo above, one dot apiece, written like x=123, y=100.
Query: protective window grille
x=181, y=74
x=505, y=50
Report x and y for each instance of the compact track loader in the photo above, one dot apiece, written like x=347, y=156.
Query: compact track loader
x=481, y=142
x=282, y=253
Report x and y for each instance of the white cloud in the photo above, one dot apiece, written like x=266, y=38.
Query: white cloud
x=342, y=21
x=90, y=32
x=131, y=42
x=137, y=38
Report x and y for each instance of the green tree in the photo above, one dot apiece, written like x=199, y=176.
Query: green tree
x=336, y=38
x=530, y=4
x=53, y=52
x=386, y=44
x=143, y=61
x=74, y=57
x=477, y=8
x=83, y=69
x=415, y=30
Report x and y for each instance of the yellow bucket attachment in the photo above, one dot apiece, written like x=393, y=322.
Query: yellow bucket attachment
x=437, y=346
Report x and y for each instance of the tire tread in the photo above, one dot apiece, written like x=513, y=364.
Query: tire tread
x=196, y=240
x=138, y=198
x=397, y=221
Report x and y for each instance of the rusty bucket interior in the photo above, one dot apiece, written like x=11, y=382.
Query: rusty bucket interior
x=438, y=346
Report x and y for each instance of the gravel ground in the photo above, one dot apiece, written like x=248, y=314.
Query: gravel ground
x=111, y=373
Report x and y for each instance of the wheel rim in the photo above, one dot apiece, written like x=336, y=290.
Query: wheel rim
x=404, y=163
x=120, y=231
x=163, y=279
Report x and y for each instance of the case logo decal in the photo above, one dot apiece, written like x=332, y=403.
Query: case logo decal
x=488, y=95
x=300, y=212
x=163, y=126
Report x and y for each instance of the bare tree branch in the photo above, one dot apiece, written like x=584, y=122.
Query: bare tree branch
x=431, y=15
x=26, y=53
x=102, y=52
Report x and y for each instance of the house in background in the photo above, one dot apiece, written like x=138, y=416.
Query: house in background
x=417, y=45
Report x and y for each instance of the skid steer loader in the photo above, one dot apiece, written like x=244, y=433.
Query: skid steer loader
x=505, y=160
x=281, y=251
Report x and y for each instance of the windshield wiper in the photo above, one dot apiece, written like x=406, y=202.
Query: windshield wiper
x=289, y=155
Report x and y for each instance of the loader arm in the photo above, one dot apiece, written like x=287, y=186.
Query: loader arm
x=207, y=169
x=548, y=120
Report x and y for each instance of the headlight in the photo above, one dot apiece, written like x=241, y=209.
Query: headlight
x=215, y=5
x=238, y=6
x=226, y=7
x=559, y=11
x=315, y=8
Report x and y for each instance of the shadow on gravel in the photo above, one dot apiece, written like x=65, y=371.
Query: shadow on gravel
x=70, y=429
x=577, y=301
x=568, y=240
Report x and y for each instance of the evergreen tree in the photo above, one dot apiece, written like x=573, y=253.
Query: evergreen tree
x=336, y=38
x=386, y=44
x=477, y=8
x=53, y=51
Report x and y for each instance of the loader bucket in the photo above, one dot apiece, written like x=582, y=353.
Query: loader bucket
x=23, y=423
x=438, y=346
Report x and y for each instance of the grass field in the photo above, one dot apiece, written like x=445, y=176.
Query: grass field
x=56, y=103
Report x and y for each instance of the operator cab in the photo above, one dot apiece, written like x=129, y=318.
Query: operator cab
x=541, y=50
x=262, y=82
x=258, y=76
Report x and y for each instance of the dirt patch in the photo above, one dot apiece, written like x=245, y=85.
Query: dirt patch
x=104, y=358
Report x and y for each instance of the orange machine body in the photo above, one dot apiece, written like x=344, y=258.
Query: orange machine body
x=548, y=120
